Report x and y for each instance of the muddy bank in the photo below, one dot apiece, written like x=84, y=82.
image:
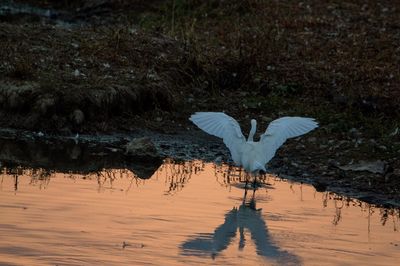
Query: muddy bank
x=83, y=80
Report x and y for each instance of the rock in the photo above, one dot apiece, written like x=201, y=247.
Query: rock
x=77, y=116
x=319, y=186
x=16, y=96
x=382, y=147
x=266, y=119
x=43, y=105
x=389, y=177
x=354, y=133
x=14, y=100
x=377, y=167
x=31, y=120
x=142, y=147
x=65, y=131
x=340, y=99
x=395, y=132
x=343, y=142
x=333, y=163
x=300, y=146
x=357, y=142
x=312, y=139
x=75, y=152
x=265, y=89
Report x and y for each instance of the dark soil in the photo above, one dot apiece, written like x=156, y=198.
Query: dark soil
x=108, y=67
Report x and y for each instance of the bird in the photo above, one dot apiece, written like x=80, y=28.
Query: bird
x=250, y=154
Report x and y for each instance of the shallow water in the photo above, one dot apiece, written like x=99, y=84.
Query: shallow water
x=188, y=213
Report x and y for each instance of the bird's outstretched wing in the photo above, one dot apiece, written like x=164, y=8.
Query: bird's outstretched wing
x=223, y=126
x=281, y=129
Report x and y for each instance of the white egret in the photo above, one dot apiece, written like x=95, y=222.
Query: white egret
x=252, y=155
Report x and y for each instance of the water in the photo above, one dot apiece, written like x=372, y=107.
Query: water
x=190, y=213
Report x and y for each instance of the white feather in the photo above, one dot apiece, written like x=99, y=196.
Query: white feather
x=283, y=128
x=222, y=126
x=253, y=156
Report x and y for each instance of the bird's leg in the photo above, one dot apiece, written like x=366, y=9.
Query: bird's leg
x=252, y=203
x=245, y=186
x=245, y=195
x=247, y=179
x=254, y=182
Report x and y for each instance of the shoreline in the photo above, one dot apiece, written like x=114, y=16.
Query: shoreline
x=108, y=150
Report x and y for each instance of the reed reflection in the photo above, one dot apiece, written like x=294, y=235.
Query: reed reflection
x=341, y=202
x=231, y=176
x=238, y=222
x=41, y=178
x=176, y=175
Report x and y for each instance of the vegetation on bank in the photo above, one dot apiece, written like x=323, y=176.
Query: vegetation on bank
x=334, y=60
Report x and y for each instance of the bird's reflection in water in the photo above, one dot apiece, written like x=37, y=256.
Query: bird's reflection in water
x=245, y=218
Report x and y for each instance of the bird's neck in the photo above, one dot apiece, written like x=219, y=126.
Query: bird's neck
x=252, y=130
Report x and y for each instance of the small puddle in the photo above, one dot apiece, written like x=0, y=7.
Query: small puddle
x=187, y=213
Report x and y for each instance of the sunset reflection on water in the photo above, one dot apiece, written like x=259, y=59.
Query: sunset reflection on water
x=186, y=213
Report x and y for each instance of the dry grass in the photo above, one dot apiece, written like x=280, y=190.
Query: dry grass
x=335, y=60
x=104, y=72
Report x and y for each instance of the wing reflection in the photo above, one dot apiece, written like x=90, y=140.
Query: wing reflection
x=242, y=219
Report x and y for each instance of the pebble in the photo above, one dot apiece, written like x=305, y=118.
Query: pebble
x=77, y=116
x=141, y=147
x=266, y=119
x=300, y=146
x=354, y=132
x=312, y=139
x=382, y=147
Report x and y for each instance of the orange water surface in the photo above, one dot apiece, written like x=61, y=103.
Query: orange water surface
x=189, y=213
